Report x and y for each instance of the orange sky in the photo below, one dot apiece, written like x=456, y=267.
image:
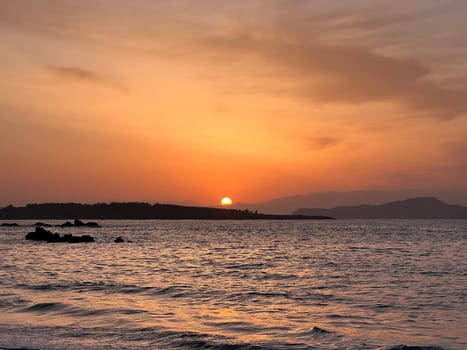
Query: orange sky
x=196, y=100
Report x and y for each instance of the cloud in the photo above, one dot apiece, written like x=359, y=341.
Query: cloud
x=326, y=73
x=323, y=142
x=77, y=74
x=292, y=38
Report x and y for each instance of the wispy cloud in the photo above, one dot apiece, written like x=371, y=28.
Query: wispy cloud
x=326, y=73
x=78, y=74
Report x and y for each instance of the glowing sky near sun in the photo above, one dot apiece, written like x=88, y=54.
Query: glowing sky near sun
x=187, y=100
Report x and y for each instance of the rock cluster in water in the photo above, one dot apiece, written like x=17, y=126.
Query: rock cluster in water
x=7, y=224
x=75, y=223
x=41, y=234
x=79, y=223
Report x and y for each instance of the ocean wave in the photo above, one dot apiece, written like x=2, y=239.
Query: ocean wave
x=156, y=337
x=22, y=348
x=44, y=307
x=93, y=287
x=151, y=337
x=64, y=309
x=313, y=332
x=411, y=347
x=191, y=342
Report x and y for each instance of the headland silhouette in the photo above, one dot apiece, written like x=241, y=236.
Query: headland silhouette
x=413, y=208
x=136, y=211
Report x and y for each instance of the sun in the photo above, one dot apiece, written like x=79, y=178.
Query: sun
x=226, y=201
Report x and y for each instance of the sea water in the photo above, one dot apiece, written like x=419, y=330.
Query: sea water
x=345, y=284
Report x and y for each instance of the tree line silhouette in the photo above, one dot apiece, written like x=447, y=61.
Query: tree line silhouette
x=134, y=210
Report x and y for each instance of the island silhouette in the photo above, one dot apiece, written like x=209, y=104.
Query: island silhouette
x=138, y=211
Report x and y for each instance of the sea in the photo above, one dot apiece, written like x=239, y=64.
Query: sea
x=260, y=284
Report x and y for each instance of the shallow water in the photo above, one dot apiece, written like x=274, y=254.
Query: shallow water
x=358, y=284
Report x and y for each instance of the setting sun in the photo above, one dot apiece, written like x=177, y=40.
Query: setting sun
x=226, y=201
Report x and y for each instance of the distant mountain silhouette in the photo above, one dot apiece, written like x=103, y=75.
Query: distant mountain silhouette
x=133, y=210
x=287, y=205
x=414, y=208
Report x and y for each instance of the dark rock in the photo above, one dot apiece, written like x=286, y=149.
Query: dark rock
x=6, y=224
x=78, y=222
x=42, y=224
x=54, y=238
x=41, y=234
x=119, y=240
x=69, y=238
x=67, y=224
x=319, y=330
x=92, y=224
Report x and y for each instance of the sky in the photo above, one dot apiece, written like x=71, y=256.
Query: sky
x=171, y=101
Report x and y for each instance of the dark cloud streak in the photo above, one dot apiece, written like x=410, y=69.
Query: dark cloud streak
x=78, y=74
x=75, y=73
x=323, y=142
